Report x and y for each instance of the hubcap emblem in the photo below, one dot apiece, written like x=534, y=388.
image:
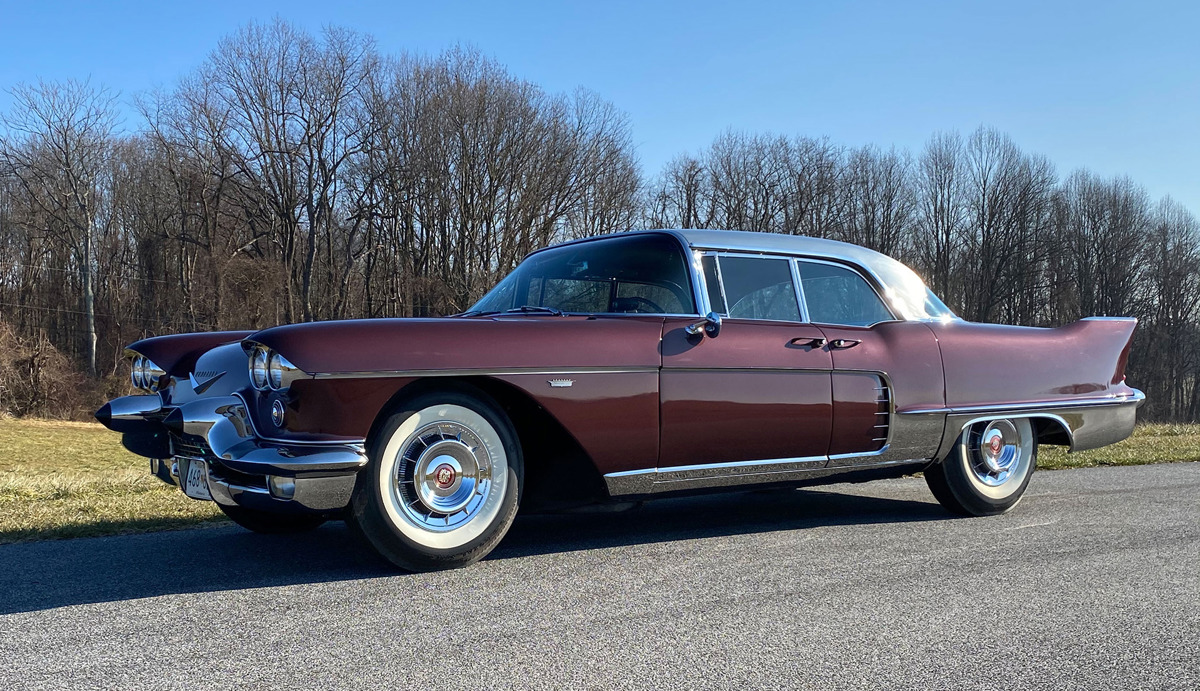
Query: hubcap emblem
x=444, y=476
x=995, y=445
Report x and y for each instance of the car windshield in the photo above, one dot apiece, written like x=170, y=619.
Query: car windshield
x=641, y=274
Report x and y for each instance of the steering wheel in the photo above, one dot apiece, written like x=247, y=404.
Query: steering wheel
x=636, y=301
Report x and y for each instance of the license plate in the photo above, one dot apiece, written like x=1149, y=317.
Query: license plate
x=195, y=485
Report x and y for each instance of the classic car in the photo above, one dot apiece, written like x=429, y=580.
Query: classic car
x=620, y=368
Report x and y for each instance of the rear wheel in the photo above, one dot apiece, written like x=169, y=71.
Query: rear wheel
x=442, y=485
x=988, y=469
x=271, y=523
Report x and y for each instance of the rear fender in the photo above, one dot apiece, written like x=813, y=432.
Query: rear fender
x=991, y=364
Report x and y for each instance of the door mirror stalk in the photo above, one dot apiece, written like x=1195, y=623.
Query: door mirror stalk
x=711, y=326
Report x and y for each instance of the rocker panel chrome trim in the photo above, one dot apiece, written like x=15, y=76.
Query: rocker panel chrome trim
x=676, y=478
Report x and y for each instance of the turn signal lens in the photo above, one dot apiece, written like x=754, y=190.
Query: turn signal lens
x=281, y=487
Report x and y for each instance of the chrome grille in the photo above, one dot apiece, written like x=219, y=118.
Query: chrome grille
x=190, y=446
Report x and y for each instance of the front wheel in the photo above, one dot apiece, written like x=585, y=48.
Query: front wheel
x=988, y=469
x=442, y=485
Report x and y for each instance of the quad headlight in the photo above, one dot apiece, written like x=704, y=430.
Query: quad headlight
x=146, y=375
x=270, y=370
x=258, y=368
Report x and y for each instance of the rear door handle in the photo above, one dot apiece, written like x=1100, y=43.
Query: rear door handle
x=844, y=343
x=806, y=341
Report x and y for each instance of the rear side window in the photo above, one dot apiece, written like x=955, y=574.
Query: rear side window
x=838, y=295
x=754, y=288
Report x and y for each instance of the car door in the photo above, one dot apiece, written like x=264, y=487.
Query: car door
x=881, y=366
x=756, y=398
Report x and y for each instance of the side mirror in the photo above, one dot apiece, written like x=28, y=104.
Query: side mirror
x=711, y=326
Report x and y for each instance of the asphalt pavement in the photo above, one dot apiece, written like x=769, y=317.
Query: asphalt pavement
x=1093, y=581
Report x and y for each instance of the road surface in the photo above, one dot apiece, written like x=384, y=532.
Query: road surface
x=1093, y=581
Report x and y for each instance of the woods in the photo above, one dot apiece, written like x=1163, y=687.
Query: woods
x=301, y=177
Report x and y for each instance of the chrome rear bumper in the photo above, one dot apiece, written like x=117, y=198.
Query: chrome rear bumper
x=1088, y=423
x=242, y=467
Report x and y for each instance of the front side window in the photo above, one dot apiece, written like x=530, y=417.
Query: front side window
x=838, y=295
x=752, y=287
x=642, y=274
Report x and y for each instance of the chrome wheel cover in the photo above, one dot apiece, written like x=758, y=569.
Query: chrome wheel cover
x=998, y=455
x=443, y=476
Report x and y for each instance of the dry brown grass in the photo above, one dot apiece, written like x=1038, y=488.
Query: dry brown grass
x=73, y=479
x=1150, y=443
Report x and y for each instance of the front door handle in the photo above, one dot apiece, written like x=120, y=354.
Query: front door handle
x=844, y=343
x=808, y=342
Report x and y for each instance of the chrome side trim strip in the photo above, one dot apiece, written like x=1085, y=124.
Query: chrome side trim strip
x=652, y=480
x=847, y=456
x=699, y=468
x=1136, y=396
x=498, y=371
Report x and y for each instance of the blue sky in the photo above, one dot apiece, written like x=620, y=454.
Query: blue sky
x=1114, y=87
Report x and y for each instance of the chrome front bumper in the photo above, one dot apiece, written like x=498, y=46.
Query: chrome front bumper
x=244, y=470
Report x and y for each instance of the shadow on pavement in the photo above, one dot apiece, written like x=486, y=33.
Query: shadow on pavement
x=43, y=575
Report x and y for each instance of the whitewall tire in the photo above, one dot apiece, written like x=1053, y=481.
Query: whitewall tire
x=443, y=482
x=988, y=470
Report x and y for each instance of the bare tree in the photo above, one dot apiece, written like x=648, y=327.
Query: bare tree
x=55, y=143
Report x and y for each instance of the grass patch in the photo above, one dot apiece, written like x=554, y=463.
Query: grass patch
x=74, y=479
x=1150, y=443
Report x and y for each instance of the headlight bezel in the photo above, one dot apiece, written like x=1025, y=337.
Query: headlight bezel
x=259, y=359
x=280, y=372
x=270, y=371
x=136, y=370
x=144, y=374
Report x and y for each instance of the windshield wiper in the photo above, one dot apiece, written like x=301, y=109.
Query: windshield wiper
x=523, y=309
x=535, y=309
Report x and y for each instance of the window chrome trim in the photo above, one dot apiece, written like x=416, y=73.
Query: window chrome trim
x=871, y=277
x=801, y=308
x=721, y=283
x=857, y=270
x=801, y=300
x=699, y=284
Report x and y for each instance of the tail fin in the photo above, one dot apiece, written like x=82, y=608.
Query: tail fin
x=1112, y=333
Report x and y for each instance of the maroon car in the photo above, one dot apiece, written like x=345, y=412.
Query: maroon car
x=591, y=373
